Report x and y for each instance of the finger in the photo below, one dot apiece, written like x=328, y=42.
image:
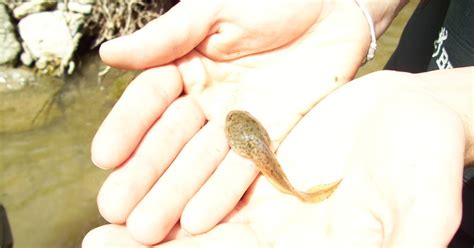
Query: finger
x=176, y=233
x=127, y=185
x=225, y=235
x=109, y=236
x=161, y=208
x=243, y=30
x=164, y=39
x=219, y=195
x=141, y=104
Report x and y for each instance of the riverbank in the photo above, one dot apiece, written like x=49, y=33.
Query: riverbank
x=46, y=34
x=44, y=42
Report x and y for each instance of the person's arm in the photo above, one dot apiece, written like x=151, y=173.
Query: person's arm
x=383, y=12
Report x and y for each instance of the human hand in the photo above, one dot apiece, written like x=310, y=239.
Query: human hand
x=164, y=136
x=400, y=189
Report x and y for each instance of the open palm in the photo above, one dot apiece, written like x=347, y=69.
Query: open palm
x=399, y=188
x=165, y=137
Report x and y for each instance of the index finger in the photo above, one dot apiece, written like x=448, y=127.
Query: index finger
x=164, y=39
x=144, y=100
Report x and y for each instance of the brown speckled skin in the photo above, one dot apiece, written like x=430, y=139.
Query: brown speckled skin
x=248, y=138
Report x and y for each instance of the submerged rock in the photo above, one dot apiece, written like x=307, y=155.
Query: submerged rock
x=27, y=101
x=14, y=79
x=9, y=45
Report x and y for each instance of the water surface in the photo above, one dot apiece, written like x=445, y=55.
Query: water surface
x=47, y=181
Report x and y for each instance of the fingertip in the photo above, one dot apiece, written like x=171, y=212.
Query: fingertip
x=127, y=52
x=196, y=223
x=89, y=240
x=101, y=153
x=109, y=236
x=106, y=50
x=111, y=52
x=144, y=100
x=147, y=229
x=98, y=158
x=219, y=195
x=112, y=206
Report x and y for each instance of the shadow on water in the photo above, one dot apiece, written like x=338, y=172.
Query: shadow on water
x=47, y=182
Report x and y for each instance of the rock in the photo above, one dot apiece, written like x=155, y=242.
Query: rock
x=91, y=2
x=28, y=101
x=26, y=58
x=9, y=45
x=74, y=22
x=14, y=79
x=51, y=37
x=32, y=7
x=78, y=7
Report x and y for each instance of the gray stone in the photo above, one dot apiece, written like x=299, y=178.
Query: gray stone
x=91, y=2
x=33, y=6
x=9, y=45
x=74, y=22
x=51, y=37
x=78, y=7
x=26, y=58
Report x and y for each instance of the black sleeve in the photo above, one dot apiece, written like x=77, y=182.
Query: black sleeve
x=415, y=47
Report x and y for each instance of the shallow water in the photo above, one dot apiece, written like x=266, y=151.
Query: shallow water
x=47, y=181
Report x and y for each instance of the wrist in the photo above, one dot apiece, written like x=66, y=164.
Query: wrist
x=383, y=12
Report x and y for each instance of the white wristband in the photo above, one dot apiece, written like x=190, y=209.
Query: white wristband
x=373, y=39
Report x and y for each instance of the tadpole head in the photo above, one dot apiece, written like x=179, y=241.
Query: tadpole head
x=244, y=133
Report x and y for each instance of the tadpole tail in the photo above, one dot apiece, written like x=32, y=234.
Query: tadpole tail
x=319, y=192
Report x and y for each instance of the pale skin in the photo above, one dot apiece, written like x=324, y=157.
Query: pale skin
x=156, y=181
x=405, y=195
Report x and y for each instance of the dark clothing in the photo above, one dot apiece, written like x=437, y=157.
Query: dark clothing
x=6, y=238
x=440, y=35
x=415, y=47
x=464, y=236
x=455, y=44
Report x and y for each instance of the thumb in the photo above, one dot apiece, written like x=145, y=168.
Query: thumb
x=164, y=39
